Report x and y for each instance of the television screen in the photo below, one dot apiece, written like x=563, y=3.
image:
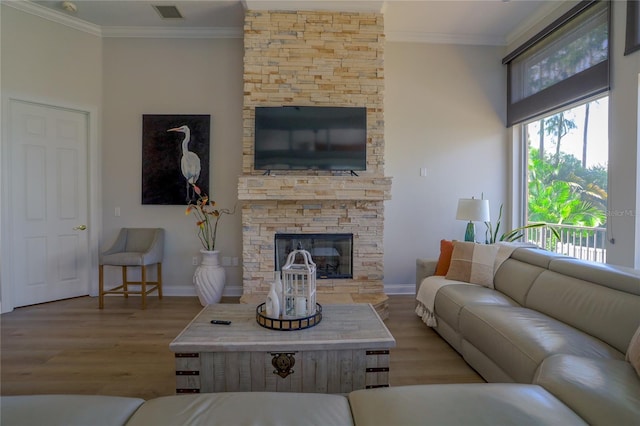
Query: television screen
x=310, y=137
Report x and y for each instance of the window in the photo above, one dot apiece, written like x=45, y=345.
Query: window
x=567, y=180
x=556, y=92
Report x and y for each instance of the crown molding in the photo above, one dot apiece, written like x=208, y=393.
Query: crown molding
x=54, y=16
x=442, y=38
x=534, y=20
x=320, y=5
x=172, y=32
x=28, y=6
x=139, y=32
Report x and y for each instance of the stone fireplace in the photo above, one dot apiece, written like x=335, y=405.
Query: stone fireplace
x=323, y=59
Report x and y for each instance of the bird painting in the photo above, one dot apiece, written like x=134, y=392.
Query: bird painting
x=176, y=153
x=189, y=162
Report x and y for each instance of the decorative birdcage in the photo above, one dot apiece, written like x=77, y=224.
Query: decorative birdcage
x=298, y=286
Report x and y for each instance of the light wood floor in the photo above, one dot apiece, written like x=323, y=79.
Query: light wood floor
x=71, y=346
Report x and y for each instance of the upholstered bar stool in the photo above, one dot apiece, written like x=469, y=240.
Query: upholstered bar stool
x=137, y=247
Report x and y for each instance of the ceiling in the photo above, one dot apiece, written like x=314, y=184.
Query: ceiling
x=485, y=22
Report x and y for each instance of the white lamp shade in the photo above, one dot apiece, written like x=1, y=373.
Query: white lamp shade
x=473, y=210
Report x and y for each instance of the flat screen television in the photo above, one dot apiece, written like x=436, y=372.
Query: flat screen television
x=310, y=138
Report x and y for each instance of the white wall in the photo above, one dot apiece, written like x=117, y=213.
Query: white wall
x=53, y=64
x=48, y=61
x=624, y=180
x=172, y=76
x=445, y=111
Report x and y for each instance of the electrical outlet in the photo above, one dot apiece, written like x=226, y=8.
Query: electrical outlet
x=194, y=260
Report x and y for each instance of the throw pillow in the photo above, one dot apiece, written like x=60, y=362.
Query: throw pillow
x=472, y=263
x=446, y=249
x=633, y=353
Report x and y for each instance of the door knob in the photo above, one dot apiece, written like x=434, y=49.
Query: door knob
x=80, y=228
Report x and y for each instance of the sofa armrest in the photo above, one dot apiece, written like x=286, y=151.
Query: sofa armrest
x=245, y=408
x=460, y=404
x=424, y=268
x=68, y=410
x=601, y=391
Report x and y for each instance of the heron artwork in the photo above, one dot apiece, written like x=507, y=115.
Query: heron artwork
x=189, y=162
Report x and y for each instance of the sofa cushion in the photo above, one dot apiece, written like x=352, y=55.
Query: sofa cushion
x=519, y=339
x=452, y=298
x=486, y=367
x=472, y=263
x=245, y=408
x=616, y=277
x=601, y=391
x=67, y=410
x=460, y=404
x=536, y=256
x=608, y=314
x=515, y=278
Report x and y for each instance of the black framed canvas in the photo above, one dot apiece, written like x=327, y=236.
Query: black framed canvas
x=632, y=42
x=175, y=153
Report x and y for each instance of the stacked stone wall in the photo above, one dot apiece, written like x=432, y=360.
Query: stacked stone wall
x=320, y=59
x=315, y=58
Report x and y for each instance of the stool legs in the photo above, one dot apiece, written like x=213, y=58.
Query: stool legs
x=143, y=285
x=101, y=287
x=125, y=283
x=124, y=288
x=159, y=265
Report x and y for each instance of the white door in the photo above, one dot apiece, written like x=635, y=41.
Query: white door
x=49, y=202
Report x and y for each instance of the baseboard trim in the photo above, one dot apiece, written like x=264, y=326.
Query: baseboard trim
x=400, y=289
x=183, y=291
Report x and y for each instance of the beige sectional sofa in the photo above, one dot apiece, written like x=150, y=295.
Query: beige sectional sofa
x=472, y=404
x=550, y=320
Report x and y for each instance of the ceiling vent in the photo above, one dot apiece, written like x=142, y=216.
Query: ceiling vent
x=168, y=12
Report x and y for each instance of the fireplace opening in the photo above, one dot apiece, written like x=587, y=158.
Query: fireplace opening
x=332, y=253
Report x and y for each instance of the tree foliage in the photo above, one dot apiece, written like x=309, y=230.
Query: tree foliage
x=565, y=193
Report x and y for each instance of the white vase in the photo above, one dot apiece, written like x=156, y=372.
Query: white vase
x=273, y=303
x=278, y=288
x=209, y=278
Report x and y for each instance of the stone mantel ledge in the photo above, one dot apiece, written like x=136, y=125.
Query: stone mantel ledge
x=360, y=188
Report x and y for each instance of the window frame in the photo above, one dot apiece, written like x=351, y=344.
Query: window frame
x=632, y=35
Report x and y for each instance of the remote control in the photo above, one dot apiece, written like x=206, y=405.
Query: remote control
x=223, y=322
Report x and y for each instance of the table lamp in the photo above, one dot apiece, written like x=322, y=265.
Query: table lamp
x=473, y=210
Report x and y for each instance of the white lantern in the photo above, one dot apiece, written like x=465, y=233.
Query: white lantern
x=298, y=286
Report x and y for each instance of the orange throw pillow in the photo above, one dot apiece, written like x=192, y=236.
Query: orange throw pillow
x=446, y=249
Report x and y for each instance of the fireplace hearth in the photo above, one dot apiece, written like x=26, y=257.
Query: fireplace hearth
x=332, y=253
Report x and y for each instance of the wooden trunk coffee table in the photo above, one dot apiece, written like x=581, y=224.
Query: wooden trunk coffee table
x=347, y=350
